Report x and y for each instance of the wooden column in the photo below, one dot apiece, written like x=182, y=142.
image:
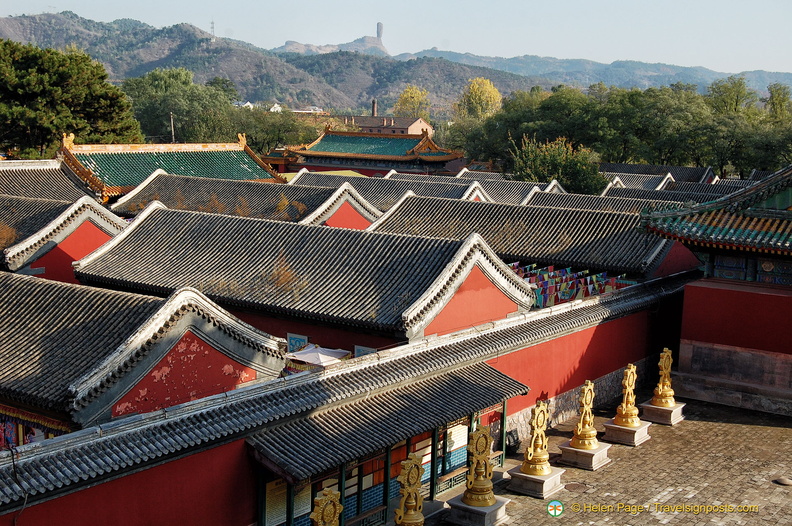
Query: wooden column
x=503, y=434
x=342, y=490
x=386, y=491
x=433, y=465
x=289, y=504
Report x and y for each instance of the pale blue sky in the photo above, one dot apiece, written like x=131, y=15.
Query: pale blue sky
x=724, y=35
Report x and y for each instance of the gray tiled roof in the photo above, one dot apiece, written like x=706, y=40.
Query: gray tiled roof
x=679, y=173
x=736, y=184
x=591, y=202
x=659, y=195
x=714, y=190
x=328, y=439
x=226, y=196
x=38, y=225
x=482, y=176
x=644, y=182
x=383, y=193
x=332, y=275
x=93, y=455
x=500, y=190
x=52, y=333
x=72, y=350
x=44, y=179
x=583, y=239
x=27, y=215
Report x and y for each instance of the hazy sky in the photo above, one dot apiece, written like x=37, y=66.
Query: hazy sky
x=724, y=35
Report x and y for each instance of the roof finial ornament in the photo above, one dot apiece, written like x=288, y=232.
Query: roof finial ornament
x=242, y=139
x=68, y=141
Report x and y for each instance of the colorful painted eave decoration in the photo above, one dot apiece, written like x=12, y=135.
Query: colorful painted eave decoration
x=734, y=232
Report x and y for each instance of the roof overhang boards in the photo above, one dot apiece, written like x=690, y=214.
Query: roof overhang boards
x=94, y=395
x=346, y=193
x=473, y=253
x=85, y=209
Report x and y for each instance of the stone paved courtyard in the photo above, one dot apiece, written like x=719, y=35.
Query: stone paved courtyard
x=718, y=456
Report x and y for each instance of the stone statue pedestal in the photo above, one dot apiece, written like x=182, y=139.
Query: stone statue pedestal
x=629, y=436
x=538, y=486
x=590, y=459
x=667, y=416
x=466, y=515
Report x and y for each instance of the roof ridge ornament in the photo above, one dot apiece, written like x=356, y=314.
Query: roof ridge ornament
x=68, y=141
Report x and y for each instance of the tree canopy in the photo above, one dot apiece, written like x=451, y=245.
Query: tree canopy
x=198, y=113
x=479, y=99
x=413, y=103
x=576, y=168
x=729, y=127
x=45, y=93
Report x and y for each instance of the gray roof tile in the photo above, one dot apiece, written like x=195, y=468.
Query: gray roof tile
x=225, y=196
x=590, y=202
x=584, y=239
x=333, y=275
x=383, y=193
x=258, y=406
x=47, y=179
x=330, y=438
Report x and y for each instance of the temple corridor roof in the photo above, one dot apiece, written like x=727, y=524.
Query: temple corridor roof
x=584, y=239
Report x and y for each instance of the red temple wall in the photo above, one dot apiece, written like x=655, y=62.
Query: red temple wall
x=738, y=314
x=476, y=301
x=564, y=363
x=347, y=217
x=328, y=337
x=58, y=262
x=678, y=259
x=192, y=369
x=213, y=487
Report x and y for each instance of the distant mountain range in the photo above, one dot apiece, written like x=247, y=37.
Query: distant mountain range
x=343, y=77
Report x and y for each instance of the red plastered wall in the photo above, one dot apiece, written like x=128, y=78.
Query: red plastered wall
x=564, y=363
x=477, y=301
x=738, y=314
x=205, y=489
x=347, y=217
x=678, y=259
x=192, y=369
x=58, y=262
x=329, y=337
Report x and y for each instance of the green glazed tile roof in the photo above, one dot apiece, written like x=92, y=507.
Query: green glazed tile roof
x=745, y=218
x=368, y=145
x=131, y=168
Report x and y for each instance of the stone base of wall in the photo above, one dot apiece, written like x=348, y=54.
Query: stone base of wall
x=735, y=376
x=607, y=393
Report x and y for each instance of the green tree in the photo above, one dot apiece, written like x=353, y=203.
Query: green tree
x=778, y=103
x=267, y=130
x=576, y=168
x=731, y=95
x=491, y=140
x=479, y=99
x=413, y=103
x=45, y=93
x=165, y=96
x=226, y=86
x=566, y=113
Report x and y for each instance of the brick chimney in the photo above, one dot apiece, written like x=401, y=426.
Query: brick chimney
x=374, y=107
